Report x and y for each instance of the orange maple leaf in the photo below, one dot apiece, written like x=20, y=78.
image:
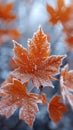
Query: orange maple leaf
x=6, y=12
x=60, y=14
x=56, y=109
x=66, y=85
x=17, y=97
x=34, y=63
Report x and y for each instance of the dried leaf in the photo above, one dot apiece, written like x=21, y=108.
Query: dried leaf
x=56, y=109
x=17, y=97
x=35, y=62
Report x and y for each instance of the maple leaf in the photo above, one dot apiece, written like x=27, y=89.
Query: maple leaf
x=35, y=62
x=17, y=97
x=6, y=12
x=66, y=85
x=56, y=109
x=61, y=13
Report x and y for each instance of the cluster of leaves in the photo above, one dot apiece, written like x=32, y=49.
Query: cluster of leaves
x=37, y=65
x=7, y=18
x=63, y=14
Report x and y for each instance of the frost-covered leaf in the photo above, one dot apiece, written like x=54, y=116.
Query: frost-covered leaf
x=56, y=109
x=35, y=63
x=17, y=97
x=66, y=85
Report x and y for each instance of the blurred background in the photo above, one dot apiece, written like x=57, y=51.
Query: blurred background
x=19, y=19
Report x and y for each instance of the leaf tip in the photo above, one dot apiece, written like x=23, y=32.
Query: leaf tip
x=15, y=43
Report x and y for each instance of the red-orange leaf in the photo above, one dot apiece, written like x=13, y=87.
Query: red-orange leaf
x=66, y=84
x=17, y=97
x=35, y=62
x=61, y=13
x=56, y=109
x=6, y=12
